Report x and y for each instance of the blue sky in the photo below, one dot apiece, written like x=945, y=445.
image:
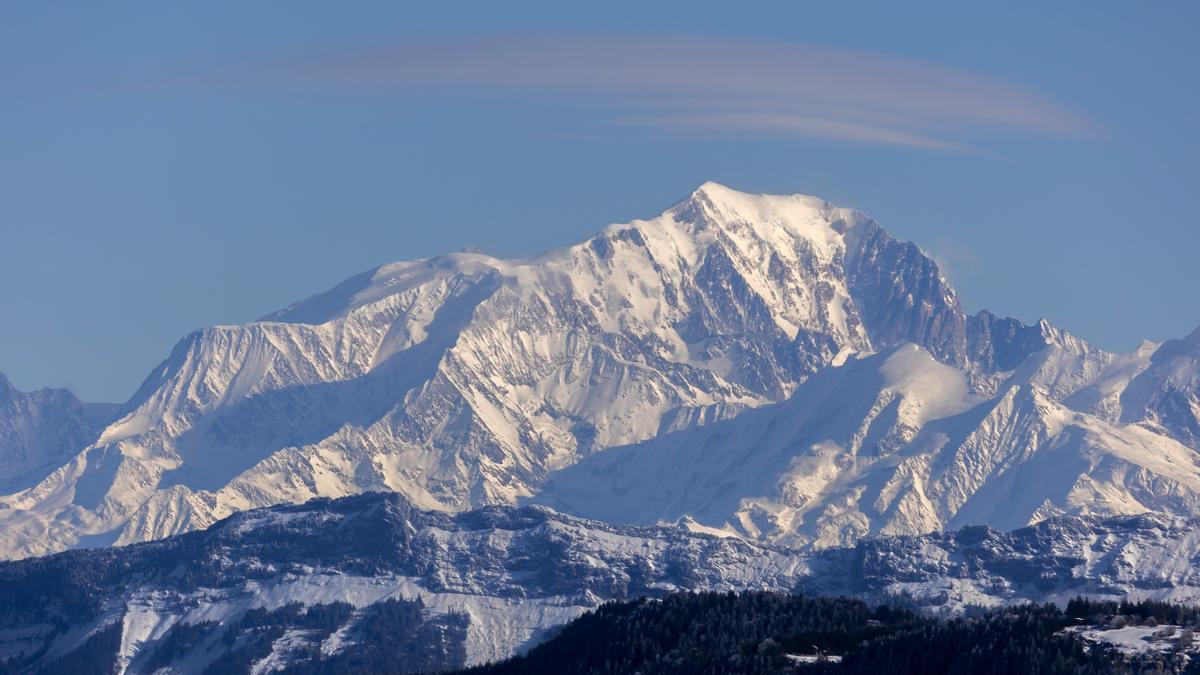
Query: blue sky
x=165, y=166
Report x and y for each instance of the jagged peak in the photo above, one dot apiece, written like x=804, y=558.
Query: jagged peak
x=715, y=212
x=8, y=390
x=1062, y=338
x=723, y=205
x=720, y=193
x=1146, y=346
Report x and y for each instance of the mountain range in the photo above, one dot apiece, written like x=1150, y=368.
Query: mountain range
x=773, y=367
x=463, y=453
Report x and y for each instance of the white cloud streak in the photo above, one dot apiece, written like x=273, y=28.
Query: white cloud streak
x=701, y=84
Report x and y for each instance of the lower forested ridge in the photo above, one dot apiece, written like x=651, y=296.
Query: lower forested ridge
x=776, y=633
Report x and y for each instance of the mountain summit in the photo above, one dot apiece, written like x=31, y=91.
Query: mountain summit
x=466, y=380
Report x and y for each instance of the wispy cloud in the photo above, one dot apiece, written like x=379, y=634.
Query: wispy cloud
x=699, y=84
x=798, y=124
x=956, y=259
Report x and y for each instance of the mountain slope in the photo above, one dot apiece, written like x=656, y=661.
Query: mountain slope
x=465, y=380
x=892, y=443
x=41, y=429
x=496, y=580
x=1166, y=395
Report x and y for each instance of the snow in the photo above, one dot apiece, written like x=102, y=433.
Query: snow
x=497, y=626
x=492, y=567
x=1136, y=640
x=41, y=430
x=692, y=526
x=1102, y=396
x=810, y=659
x=892, y=443
x=141, y=623
x=620, y=367
x=929, y=389
x=284, y=650
x=23, y=641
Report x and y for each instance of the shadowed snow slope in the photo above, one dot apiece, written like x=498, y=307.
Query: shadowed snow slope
x=465, y=380
x=41, y=429
x=1166, y=395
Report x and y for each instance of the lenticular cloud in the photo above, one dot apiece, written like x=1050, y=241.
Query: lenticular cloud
x=687, y=83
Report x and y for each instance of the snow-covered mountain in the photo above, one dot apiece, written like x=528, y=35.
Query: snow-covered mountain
x=891, y=443
x=497, y=580
x=1165, y=397
x=40, y=430
x=465, y=380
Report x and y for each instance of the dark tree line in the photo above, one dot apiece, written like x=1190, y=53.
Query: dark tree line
x=97, y=656
x=395, y=637
x=752, y=633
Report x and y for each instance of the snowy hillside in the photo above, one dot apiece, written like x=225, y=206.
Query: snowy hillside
x=496, y=580
x=465, y=380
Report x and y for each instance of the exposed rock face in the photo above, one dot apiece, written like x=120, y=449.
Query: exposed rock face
x=902, y=295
